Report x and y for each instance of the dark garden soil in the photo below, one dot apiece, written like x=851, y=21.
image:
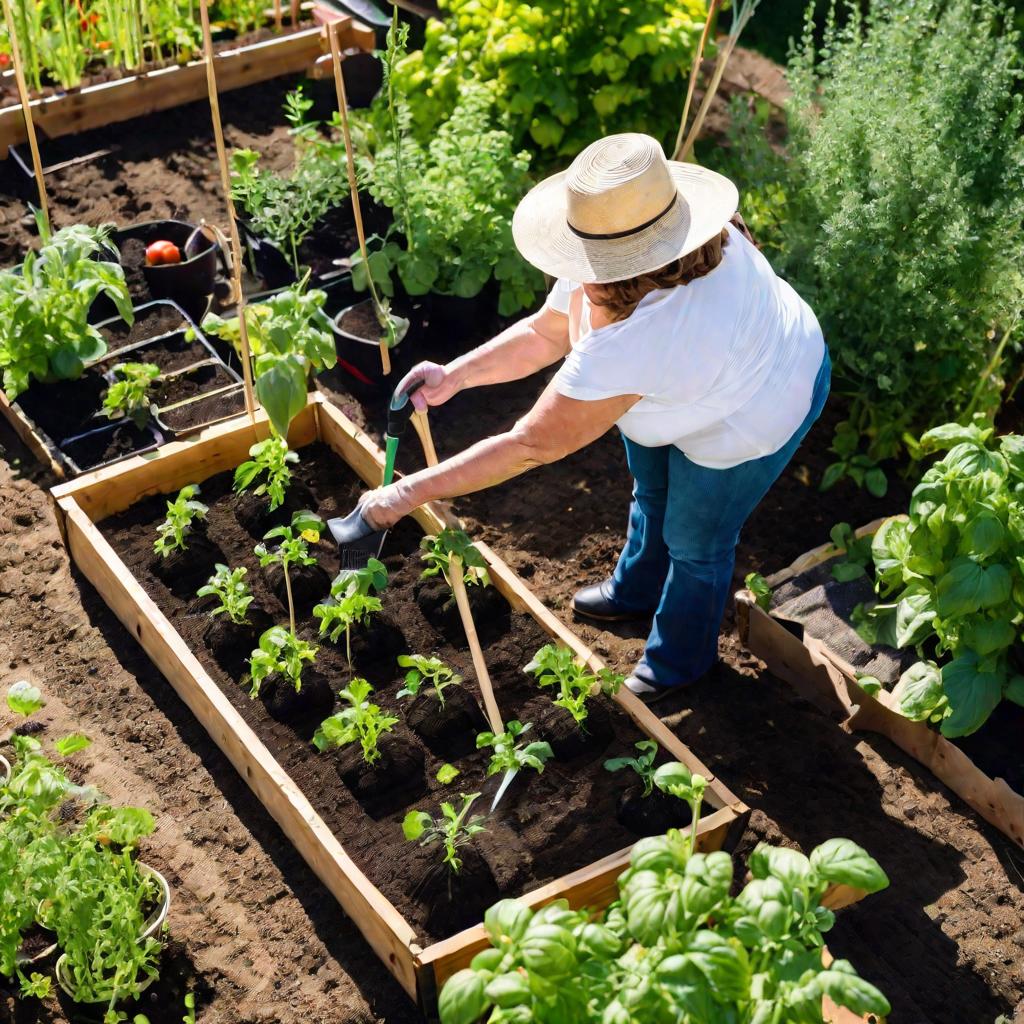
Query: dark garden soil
x=260, y=938
x=107, y=443
x=158, y=320
x=547, y=825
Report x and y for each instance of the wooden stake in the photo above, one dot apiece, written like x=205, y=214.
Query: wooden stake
x=225, y=177
x=26, y=109
x=421, y=425
x=694, y=71
x=339, y=85
x=483, y=677
x=277, y=15
x=295, y=13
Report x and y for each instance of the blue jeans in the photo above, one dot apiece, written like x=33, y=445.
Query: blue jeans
x=684, y=524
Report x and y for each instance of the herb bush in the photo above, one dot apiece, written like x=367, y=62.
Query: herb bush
x=951, y=578
x=452, y=197
x=896, y=210
x=562, y=74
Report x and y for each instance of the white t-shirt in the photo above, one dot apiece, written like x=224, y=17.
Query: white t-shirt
x=725, y=364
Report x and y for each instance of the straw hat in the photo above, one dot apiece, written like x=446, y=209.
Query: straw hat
x=621, y=209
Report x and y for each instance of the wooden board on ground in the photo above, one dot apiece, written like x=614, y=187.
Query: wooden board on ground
x=94, y=496
x=830, y=682
x=121, y=99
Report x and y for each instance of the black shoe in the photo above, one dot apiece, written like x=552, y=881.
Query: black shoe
x=595, y=602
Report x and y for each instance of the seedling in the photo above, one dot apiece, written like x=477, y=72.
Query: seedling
x=438, y=550
x=556, y=666
x=305, y=529
x=454, y=829
x=231, y=590
x=677, y=780
x=23, y=698
x=857, y=551
x=282, y=652
x=360, y=721
x=270, y=460
x=129, y=396
x=352, y=601
x=642, y=764
x=758, y=586
x=181, y=516
x=426, y=670
x=509, y=756
x=447, y=773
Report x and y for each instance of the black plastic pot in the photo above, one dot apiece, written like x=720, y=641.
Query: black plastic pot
x=265, y=259
x=77, y=451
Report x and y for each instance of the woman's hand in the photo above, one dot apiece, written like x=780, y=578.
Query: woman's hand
x=439, y=384
x=385, y=506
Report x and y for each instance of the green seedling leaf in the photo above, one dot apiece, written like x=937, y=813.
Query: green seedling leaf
x=23, y=698
x=446, y=773
x=72, y=744
x=758, y=586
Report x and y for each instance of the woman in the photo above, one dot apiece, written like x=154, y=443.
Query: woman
x=673, y=327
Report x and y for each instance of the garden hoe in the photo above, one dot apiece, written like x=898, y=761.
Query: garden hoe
x=357, y=541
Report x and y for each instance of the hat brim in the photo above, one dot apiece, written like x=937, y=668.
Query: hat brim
x=707, y=200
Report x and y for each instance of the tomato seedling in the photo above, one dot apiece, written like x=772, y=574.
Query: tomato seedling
x=553, y=665
x=269, y=459
x=361, y=721
x=232, y=592
x=426, y=670
x=280, y=651
x=509, y=756
x=453, y=829
x=642, y=764
x=352, y=601
x=437, y=551
x=305, y=529
x=130, y=395
x=182, y=514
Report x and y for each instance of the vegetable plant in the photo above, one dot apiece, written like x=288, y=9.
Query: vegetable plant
x=130, y=394
x=182, y=514
x=856, y=553
x=426, y=670
x=951, y=580
x=45, y=333
x=675, y=779
x=290, y=338
x=453, y=829
x=760, y=588
x=362, y=722
x=268, y=463
x=437, y=551
x=554, y=665
x=642, y=763
x=675, y=946
x=23, y=698
x=293, y=549
x=352, y=600
x=509, y=755
x=280, y=651
x=232, y=592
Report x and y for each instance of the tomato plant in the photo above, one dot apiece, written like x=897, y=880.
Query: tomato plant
x=554, y=665
x=280, y=652
x=182, y=514
x=454, y=829
x=642, y=763
x=508, y=755
x=437, y=551
x=362, y=722
x=352, y=600
x=130, y=394
x=293, y=549
x=232, y=591
x=426, y=670
x=270, y=460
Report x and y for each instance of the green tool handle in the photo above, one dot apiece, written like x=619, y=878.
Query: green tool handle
x=390, y=451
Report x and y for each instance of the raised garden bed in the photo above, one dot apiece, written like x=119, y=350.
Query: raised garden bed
x=63, y=422
x=805, y=638
x=362, y=858
x=110, y=102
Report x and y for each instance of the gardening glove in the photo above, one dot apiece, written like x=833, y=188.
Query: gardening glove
x=385, y=506
x=439, y=384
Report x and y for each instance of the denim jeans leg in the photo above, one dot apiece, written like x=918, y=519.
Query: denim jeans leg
x=643, y=564
x=705, y=511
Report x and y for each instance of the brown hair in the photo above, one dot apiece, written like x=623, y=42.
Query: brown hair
x=620, y=298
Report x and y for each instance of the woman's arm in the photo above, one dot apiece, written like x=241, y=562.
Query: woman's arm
x=522, y=348
x=555, y=427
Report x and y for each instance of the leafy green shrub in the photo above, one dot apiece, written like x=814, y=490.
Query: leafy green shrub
x=897, y=211
x=452, y=195
x=562, y=74
x=951, y=579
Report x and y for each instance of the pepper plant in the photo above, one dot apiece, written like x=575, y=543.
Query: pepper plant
x=268, y=463
x=675, y=946
x=453, y=829
x=554, y=665
x=437, y=551
x=426, y=670
x=951, y=580
x=508, y=755
x=305, y=529
x=232, y=592
x=130, y=396
x=352, y=600
x=362, y=722
x=45, y=332
x=182, y=514
x=642, y=763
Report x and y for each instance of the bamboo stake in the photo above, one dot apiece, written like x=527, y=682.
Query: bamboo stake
x=277, y=15
x=357, y=210
x=421, y=424
x=295, y=13
x=694, y=71
x=483, y=676
x=26, y=110
x=225, y=177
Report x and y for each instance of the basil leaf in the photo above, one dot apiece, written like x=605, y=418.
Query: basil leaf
x=843, y=862
x=918, y=694
x=462, y=1000
x=972, y=695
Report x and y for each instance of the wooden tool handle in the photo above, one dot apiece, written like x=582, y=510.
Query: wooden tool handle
x=421, y=425
x=458, y=585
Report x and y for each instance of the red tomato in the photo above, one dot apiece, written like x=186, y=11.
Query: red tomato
x=161, y=253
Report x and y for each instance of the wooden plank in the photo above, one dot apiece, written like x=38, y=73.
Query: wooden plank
x=121, y=99
x=383, y=927
x=36, y=442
